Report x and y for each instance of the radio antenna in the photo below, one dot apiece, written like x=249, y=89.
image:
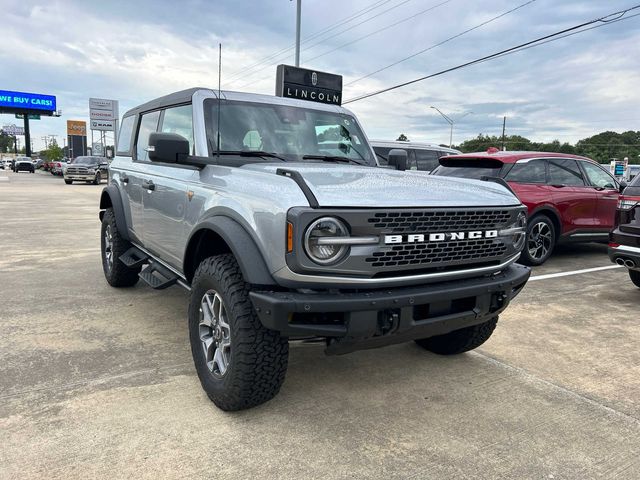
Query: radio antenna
x=219, y=93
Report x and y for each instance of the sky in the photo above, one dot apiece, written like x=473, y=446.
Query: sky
x=134, y=51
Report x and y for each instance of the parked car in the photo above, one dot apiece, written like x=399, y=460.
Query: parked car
x=420, y=156
x=569, y=198
x=57, y=167
x=24, y=164
x=90, y=169
x=624, y=241
x=38, y=163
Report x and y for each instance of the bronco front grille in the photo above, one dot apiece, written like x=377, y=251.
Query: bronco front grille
x=427, y=254
x=438, y=220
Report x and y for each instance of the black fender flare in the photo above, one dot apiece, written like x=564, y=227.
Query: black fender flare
x=242, y=246
x=110, y=198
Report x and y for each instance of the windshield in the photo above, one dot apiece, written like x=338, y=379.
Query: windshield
x=288, y=132
x=85, y=161
x=468, y=168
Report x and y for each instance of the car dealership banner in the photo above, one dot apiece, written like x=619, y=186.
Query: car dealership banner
x=76, y=127
x=21, y=102
x=77, y=138
x=311, y=85
x=103, y=109
x=13, y=130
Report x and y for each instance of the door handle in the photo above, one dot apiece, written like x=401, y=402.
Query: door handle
x=148, y=185
x=558, y=186
x=125, y=180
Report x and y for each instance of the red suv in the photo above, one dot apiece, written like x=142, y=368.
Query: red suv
x=570, y=198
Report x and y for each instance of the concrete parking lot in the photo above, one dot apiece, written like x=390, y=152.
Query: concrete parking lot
x=97, y=382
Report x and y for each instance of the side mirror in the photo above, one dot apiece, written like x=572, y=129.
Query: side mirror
x=166, y=147
x=398, y=159
x=622, y=185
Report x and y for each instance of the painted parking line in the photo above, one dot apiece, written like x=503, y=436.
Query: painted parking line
x=573, y=272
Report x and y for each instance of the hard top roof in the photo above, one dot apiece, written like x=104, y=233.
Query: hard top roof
x=185, y=96
x=410, y=144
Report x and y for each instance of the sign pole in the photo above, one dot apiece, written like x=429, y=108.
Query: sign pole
x=298, y=13
x=27, y=137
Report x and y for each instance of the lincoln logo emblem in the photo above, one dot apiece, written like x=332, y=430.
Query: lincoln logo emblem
x=314, y=79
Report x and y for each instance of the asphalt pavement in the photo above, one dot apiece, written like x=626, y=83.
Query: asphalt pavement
x=97, y=382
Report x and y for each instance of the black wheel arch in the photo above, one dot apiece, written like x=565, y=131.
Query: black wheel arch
x=220, y=234
x=110, y=198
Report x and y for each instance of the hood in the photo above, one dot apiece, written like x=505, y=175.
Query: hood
x=337, y=185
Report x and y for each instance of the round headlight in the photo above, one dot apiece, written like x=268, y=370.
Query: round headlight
x=317, y=240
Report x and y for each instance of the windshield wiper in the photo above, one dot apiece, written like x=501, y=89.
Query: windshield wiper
x=250, y=153
x=332, y=158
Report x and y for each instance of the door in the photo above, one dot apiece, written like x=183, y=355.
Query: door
x=606, y=189
x=167, y=194
x=528, y=178
x=575, y=200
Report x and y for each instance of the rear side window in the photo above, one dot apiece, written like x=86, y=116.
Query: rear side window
x=636, y=181
x=148, y=125
x=531, y=171
x=125, y=136
x=565, y=171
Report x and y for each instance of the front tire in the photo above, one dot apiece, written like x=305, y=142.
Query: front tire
x=96, y=180
x=240, y=363
x=635, y=277
x=112, y=246
x=460, y=341
x=68, y=182
x=540, y=242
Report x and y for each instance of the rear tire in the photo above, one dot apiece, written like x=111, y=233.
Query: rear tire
x=540, y=241
x=459, y=341
x=112, y=246
x=635, y=277
x=240, y=363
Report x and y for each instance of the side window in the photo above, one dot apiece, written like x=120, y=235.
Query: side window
x=427, y=159
x=179, y=120
x=598, y=177
x=382, y=154
x=126, y=135
x=148, y=125
x=532, y=171
x=563, y=171
x=411, y=158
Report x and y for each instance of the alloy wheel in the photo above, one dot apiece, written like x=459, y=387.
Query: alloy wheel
x=539, y=241
x=108, y=246
x=215, y=333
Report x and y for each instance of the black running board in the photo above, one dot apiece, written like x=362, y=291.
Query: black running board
x=157, y=276
x=134, y=257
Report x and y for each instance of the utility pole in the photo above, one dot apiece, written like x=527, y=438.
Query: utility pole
x=298, y=14
x=504, y=125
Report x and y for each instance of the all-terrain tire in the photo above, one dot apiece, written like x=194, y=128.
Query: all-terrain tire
x=68, y=182
x=460, y=341
x=258, y=356
x=96, y=181
x=544, y=223
x=635, y=277
x=116, y=272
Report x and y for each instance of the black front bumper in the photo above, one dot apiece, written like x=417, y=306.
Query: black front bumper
x=374, y=318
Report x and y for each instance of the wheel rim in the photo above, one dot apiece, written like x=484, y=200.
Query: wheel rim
x=108, y=246
x=215, y=333
x=539, y=242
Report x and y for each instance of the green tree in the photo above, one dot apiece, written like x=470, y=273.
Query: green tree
x=53, y=152
x=6, y=143
x=402, y=138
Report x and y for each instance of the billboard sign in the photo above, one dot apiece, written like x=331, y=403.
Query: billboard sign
x=311, y=85
x=31, y=116
x=76, y=127
x=16, y=101
x=13, y=130
x=97, y=149
x=103, y=109
x=104, y=125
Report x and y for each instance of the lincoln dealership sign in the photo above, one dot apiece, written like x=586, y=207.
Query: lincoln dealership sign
x=312, y=85
x=21, y=101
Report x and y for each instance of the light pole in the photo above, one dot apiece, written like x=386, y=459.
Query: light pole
x=298, y=15
x=450, y=122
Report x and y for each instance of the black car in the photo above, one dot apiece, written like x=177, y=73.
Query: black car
x=624, y=240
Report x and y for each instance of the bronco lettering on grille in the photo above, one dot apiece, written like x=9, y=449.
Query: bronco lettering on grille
x=439, y=237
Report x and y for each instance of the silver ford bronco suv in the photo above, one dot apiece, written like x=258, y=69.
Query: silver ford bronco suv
x=273, y=213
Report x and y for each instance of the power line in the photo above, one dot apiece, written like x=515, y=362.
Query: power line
x=333, y=36
x=464, y=32
x=331, y=27
x=537, y=41
x=410, y=17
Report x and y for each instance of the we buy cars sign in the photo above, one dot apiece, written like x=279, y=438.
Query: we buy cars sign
x=103, y=109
